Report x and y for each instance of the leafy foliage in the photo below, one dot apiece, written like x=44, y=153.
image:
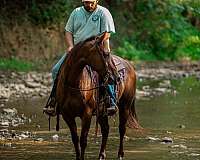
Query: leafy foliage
x=48, y=13
x=146, y=29
x=15, y=64
x=39, y=12
x=161, y=30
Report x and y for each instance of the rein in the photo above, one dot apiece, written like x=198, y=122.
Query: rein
x=90, y=89
x=105, y=79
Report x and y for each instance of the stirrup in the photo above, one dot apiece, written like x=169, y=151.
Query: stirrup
x=112, y=110
x=50, y=108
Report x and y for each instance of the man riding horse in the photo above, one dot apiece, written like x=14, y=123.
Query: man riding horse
x=89, y=20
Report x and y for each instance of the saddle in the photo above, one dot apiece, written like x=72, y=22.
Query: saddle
x=101, y=97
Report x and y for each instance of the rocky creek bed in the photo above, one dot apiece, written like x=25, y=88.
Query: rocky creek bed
x=14, y=85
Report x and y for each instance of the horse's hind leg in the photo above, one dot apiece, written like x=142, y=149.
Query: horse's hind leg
x=75, y=139
x=103, y=121
x=86, y=121
x=123, y=117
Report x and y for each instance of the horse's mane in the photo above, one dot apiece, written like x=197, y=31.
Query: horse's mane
x=75, y=49
x=70, y=56
x=78, y=45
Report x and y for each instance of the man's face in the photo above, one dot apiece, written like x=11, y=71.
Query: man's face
x=90, y=6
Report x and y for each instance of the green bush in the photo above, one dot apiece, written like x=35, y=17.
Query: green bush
x=161, y=30
x=49, y=13
x=129, y=51
x=190, y=48
x=15, y=64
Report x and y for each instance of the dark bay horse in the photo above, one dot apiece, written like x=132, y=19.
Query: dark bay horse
x=74, y=102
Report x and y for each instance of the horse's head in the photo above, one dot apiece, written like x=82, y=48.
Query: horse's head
x=96, y=57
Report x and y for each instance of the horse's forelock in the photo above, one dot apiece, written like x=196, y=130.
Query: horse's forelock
x=78, y=45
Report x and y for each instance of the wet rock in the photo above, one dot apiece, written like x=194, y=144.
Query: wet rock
x=55, y=137
x=9, y=117
x=14, y=123
x=181, y=146
x=2, y=76
x=181, y=126
x=3, y=133
x=24, y=136
x=174, y=92
x=15, y=85
x=9, y=111
x=32, y=84
x=126, y=138
x=2, y=105
x=7, y=145
x=167, y=140
x=165, y=84
x=168, y=132
x=194, y=154
x=29, y=120
x=153, y=139
x=141, y=94
x=39, y=139
x=38, y=126
x=4, y=124
x=2, y=138
x=161, y=90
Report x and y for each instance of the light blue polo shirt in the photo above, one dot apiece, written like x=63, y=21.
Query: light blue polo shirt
x=83, y=24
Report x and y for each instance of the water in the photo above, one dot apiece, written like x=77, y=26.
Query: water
x=175, y=115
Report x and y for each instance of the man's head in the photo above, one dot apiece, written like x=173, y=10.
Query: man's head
x=90, y=5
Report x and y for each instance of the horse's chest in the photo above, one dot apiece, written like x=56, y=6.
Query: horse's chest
x=74, y=104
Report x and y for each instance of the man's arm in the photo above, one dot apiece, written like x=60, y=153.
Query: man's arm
x=106, y=42
x=69, y=41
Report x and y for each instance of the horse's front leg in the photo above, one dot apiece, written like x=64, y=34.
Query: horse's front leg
x=86, y=121
x=123, y=117
x=75, y=139
x=103, y=121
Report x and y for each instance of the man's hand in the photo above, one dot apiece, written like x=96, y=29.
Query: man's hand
x=69, y=41
x=68, y=50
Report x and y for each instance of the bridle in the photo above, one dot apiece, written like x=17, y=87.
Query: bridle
x=106, y=76
x=102, y=53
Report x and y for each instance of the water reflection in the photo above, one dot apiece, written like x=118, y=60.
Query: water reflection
x=176, y=116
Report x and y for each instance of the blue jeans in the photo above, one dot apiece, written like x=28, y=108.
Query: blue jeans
x=110, y=88
x=111, y=91
x=57, y=66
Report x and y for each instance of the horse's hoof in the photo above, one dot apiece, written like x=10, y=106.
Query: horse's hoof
x=102, y=157
x=120, y=158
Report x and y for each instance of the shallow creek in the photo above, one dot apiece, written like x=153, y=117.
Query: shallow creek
x=171, y=129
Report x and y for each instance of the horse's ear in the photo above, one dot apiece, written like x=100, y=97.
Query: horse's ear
x=104, y=36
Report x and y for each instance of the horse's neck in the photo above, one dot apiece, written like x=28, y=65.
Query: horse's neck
x=73, y=72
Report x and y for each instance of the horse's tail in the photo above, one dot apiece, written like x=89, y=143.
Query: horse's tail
x=132, y=119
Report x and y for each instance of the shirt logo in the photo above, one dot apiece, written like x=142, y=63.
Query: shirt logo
x=95, y=18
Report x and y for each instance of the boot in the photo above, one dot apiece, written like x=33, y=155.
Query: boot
x=50, y=108
x=112, y=109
